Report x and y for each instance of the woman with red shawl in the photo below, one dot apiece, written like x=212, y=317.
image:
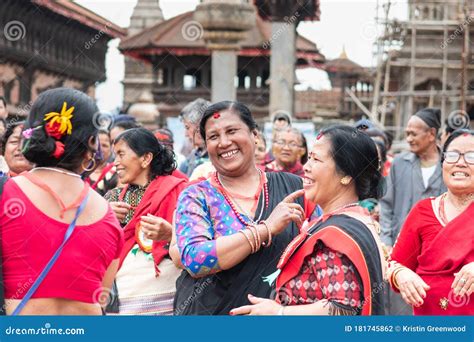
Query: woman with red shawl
x=433, y=259
x=147, y=276
x=335, y=265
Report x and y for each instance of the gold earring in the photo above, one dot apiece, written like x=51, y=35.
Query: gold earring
x=88, y=168
x=346, y=180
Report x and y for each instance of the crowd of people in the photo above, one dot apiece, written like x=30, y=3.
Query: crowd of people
x=112, y=221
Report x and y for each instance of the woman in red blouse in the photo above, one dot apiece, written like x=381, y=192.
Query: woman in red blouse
x=60, y=139
x=335, y=265
x=433, y=259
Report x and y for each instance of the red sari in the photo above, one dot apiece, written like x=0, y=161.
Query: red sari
x=435, y=253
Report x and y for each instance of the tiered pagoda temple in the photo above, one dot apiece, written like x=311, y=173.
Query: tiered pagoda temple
x=182, y=63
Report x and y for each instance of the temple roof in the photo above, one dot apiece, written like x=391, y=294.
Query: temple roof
x=344, y=65
x=83, y=15
x=169, y=37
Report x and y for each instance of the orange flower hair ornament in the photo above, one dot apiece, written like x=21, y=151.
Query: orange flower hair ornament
x=59, y=124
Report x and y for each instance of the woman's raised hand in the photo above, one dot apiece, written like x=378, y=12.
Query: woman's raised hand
x=120, y=209
x=156, y=228
x=412, y=287
x=285, y=212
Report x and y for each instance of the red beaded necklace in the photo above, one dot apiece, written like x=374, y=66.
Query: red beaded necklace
x=231, y=203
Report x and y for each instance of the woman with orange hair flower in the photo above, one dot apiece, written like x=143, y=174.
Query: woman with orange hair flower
x=60, y=239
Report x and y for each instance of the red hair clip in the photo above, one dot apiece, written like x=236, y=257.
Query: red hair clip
x=216, y=115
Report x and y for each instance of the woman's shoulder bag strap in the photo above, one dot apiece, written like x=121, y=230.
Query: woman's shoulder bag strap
x=3, y=180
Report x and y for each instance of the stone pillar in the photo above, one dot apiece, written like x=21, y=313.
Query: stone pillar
x=224, y=23
x=224, y=68
x=285, y=15
x=282, y=67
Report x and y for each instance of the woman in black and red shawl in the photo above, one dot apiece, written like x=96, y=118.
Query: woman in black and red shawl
x=335, y=266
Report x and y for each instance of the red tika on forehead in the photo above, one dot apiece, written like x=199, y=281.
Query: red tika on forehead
x=216, y=115
x=320, y=135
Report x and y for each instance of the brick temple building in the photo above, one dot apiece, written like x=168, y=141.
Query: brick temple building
x=47, y=44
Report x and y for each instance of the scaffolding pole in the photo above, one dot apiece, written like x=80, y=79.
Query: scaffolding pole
x=380, y=53
x=465, y=56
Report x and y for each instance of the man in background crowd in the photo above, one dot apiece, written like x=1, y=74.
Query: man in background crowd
x=413, y=176
x=191, y=116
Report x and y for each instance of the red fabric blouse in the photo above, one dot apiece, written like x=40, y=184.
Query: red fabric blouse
x=30, y=238
x=326, y=274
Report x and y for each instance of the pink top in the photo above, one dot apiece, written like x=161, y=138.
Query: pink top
x=30, y=238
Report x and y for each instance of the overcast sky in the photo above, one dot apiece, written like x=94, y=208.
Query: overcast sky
x=349, y=23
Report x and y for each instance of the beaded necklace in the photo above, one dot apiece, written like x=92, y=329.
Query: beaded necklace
x=232, y=205
x=441, y=210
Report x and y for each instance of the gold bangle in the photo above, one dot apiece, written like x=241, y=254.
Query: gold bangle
x=255, y=237
x=257, y=233
x=269, y=239
x=248, y=240
x=394, y=277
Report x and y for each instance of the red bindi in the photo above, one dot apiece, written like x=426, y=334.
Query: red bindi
x=216, y=115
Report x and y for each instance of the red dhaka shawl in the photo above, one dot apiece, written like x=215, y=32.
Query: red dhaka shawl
x=160, y=200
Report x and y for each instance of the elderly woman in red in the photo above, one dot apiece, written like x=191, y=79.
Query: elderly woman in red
x=60, y=240
x=433, y=259
x=335, y=265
